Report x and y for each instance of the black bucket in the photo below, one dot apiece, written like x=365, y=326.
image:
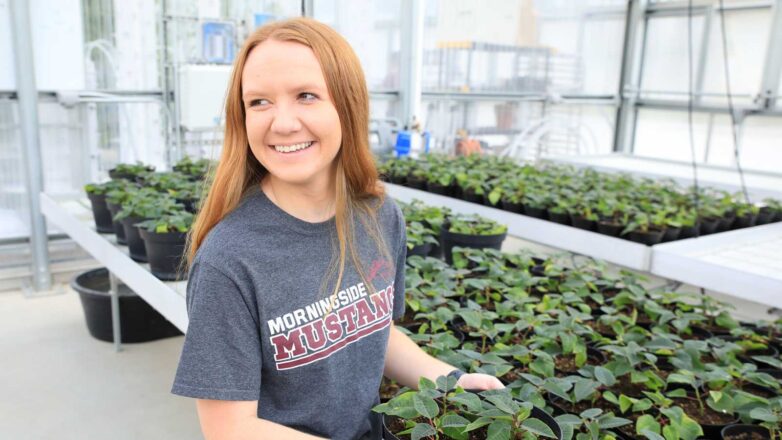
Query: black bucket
x=139, y=322
x=135, y=244
x=450, y=239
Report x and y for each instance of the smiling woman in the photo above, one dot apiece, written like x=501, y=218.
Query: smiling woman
x=297, y=259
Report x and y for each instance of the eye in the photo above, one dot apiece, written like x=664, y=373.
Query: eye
x=307, y=96
x=256, y=102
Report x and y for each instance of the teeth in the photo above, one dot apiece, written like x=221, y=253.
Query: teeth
x=292, y=148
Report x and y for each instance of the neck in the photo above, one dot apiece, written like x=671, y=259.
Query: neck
x=312, y=202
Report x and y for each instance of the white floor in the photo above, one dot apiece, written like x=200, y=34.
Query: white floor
x=60, y=383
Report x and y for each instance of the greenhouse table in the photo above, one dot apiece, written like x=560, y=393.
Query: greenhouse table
x=614, y=250
x=759, y=184
x=745, y=263
x=74, y=217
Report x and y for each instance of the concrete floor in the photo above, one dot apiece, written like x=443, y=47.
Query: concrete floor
x=60, y=383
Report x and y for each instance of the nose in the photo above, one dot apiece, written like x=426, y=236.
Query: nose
x=286, y=120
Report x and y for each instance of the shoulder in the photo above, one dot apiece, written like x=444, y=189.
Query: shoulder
x=391, y=218
x=232, y=237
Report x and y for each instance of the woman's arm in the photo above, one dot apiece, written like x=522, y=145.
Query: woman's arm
x=406, y=363
x=238, y=420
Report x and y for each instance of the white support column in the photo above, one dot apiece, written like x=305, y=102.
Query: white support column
x=412, y=54
x=629, y=80
x=308, y=8
x=31, y=149
x=767, y=98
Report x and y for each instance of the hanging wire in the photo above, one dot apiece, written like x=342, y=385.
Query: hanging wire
x=696, y=192
x=730, y=102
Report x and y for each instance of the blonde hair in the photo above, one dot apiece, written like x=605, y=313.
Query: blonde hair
x=358, y=190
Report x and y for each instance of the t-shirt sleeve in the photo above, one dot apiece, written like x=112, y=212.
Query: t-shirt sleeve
x=401, y=258
x=221, y=357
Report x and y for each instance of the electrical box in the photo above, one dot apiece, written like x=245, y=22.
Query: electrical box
x=202, y=92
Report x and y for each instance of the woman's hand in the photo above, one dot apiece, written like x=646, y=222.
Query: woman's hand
x=477, y=381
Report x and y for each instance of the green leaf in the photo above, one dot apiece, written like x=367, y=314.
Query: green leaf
x=764, y=415
x=452, y=420
x=584, y=389
x=426, y=406
x=446, y=383
x=426, y=384
x=478, y=423
x=591, y=412
x=422, y=430
x=498, y=430
x=537, y=426
x=471, y=401
x=504, y=403
x=647, y=423
x=605, y=376
x=613, y=422
x=624, y=403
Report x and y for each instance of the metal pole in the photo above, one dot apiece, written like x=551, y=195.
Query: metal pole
x=116, y=328
x=772, y=70
x=412, y=59
x=31, y=149
x=307, y=8
x=632, y=55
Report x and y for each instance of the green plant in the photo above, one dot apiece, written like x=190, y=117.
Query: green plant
x=590, y=424
x=146, y=203
x=104, y=188
x=133, y=169
x=173, y=221
x=440, y=410
x=475, y=225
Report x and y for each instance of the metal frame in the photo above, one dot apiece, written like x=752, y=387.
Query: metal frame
x=412, y=52
x=31, y=150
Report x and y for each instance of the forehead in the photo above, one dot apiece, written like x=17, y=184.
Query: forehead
x=281, y=65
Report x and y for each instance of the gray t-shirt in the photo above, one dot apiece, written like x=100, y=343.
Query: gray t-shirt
x=263, y=327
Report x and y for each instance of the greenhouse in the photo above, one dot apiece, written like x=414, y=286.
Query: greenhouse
x=403, y=219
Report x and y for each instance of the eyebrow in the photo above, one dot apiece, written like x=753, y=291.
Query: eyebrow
x=298, y=89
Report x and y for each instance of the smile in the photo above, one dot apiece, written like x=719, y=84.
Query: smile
x=293, y=147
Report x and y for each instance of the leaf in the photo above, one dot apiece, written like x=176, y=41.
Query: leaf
x=422, y=430
x=584, y=389
x=498, y=430
x=446, y=383
x=471, y=401
x=591, y=413
x=538, y=427
x=568, y=342
x=651, y=435
x=426, y=384
x=613, y=422
x=504, y=403
x=647, y=423
x=764, y=415
x=426, y=406
x=605, y=376
x=478, y=423
x=452, y=420
x=624, y=403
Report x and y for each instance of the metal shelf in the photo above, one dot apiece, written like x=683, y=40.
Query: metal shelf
x=614, y=250
x=74, y=217
x=746, y=263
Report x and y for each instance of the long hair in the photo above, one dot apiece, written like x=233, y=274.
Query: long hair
x=358, y=190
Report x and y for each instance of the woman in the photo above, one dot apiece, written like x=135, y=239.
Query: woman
x=297, y=258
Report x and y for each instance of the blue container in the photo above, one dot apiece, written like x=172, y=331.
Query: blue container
x=402, y=143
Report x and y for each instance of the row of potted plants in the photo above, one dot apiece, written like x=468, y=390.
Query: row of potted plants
x=643, y=210
x=603, y=354
x=150, y=212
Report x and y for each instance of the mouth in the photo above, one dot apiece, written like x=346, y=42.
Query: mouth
x=292, y=148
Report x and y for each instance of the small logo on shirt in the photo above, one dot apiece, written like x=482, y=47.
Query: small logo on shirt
x=325, y=327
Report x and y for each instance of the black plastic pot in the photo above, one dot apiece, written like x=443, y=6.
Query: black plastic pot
x=450, y=239
x=725, y=223
x=139, y=322
x=731, y=432
x=671, y=234
x=119, y=230
x=745, y=221
x=562, y=218
x=764, y=216
x=101, y=213
x=541, y=213
x=689, y=231
x=584, y=223
x=191, y=205
x=708, y=225
x=518, y=208
x=135, y=244
x=164, y=253
x=416, y=182
x=436, y=188
x=611, y=229
x=468, y=195
x=422, y=250
x=398, y=180
x=649, y=238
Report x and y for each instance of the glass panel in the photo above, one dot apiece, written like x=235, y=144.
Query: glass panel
x=760, y=148
x=564, y=47
x=747, y=32
x=664, y=69
x=375, y=37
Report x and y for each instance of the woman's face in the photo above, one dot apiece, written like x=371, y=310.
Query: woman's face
x=292, y=125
